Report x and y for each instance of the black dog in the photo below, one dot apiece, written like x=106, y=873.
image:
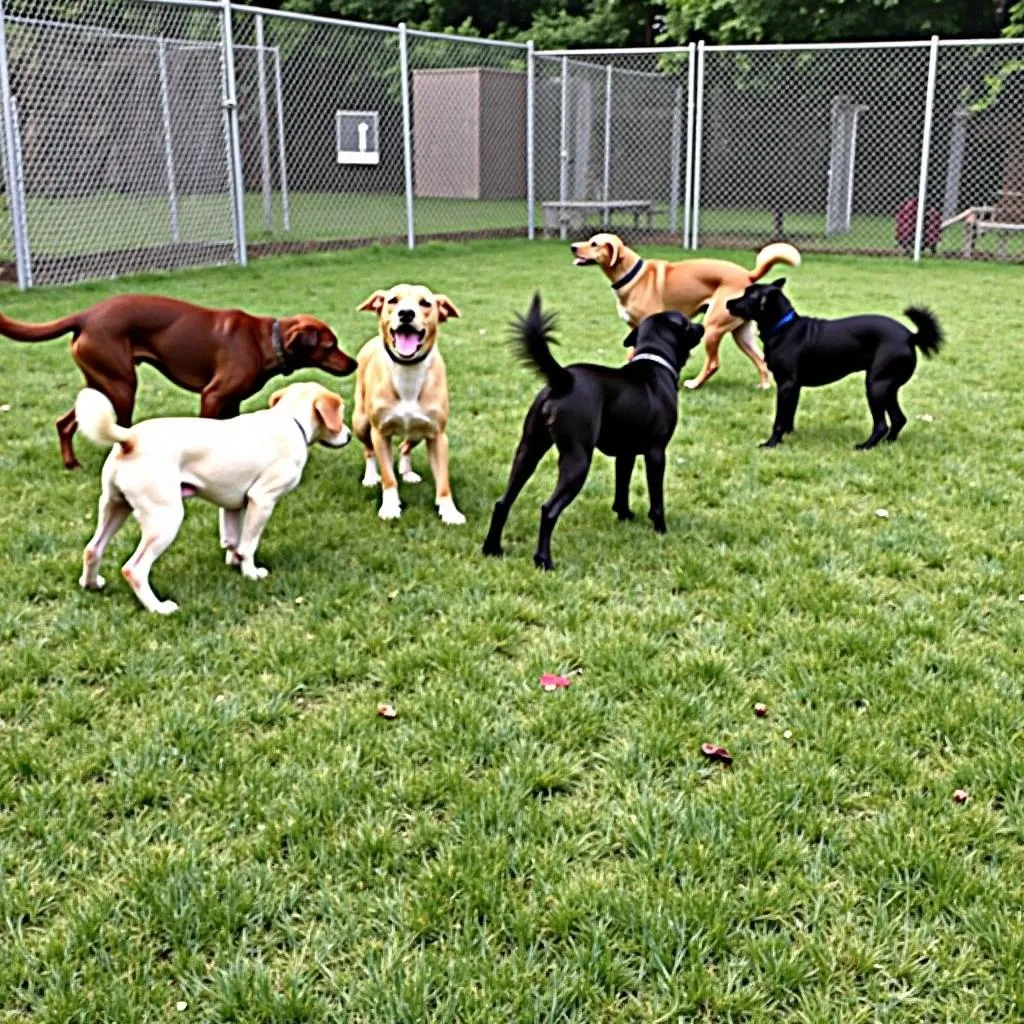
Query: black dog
x=806, y=352
x=624, y=411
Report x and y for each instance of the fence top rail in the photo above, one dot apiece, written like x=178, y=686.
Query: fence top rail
x=421, y=33
x=315, y=19
x=903, y=44
x=593, y=66
x=210, y=5
x=982, y=42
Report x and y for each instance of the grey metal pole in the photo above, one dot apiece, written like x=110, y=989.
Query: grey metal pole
x=606, y=184
x=563, y=152
x=261, y=84
x=675, y=161
x=15, y=183
x=19, y=170
x=165, y=110
x=691, y=78
x=531, y=201
x=698, y=141
x=403, y=60
x=282, y=160
x=926, y=145
x=235, y=175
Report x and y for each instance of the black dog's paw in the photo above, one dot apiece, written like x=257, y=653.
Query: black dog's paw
x=658, y=522
x=492, y=549
x=772, y=442
x=625, y=514
x=543, y=562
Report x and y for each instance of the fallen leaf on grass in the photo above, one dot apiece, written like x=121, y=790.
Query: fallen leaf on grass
x=181, y=1006
x=882, y=513
x=761, y=710
x=386, y=711
x=713, y=752
x=5, y=407
x=961, y=796
x=550, y=683
x=926, y=418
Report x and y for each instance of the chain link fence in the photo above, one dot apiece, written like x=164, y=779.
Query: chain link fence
x=155, y=134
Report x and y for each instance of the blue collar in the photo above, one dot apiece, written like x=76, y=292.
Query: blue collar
x=787, y=319
x=623, y=281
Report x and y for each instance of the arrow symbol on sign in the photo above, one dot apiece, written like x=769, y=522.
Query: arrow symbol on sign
x=364, y=131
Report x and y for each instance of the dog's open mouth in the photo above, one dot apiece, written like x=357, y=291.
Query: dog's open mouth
x=407, y=340
x=583, y=261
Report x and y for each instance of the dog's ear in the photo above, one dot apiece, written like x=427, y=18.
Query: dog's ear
x=302, y=342
x=374, y=304
x=613, y=252
x=780, y=284
x=276, y=397
x=446, y=309
x=630, y=339
x=329, y=408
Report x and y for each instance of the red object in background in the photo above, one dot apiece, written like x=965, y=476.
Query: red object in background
x=906, y=226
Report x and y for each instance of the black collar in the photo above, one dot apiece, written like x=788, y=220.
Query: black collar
x=623, y=281
x=406, y=362
x=784, y=322
x=302, y=431
x=279, y=353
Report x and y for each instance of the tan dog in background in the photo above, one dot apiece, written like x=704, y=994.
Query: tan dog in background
x=402, y=391
x=644, y=287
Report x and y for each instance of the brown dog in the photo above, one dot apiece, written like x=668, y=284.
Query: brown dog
x=645, y=287
x=402, y=391
x=224, y=354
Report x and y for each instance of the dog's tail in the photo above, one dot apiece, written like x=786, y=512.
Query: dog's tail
x=19, y=331
x=929, y=337
x=98, y=422
x=777, y=252
x=532, y=336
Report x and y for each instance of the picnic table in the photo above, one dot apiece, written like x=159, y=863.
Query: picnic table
x=574, y=213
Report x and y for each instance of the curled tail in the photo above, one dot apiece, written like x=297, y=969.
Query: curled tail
x=18, y=331
x=777, y=252
x=929, y=334
x=532, y=336
x=98, y=422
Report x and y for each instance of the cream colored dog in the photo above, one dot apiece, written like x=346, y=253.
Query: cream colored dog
x=644, y=287
x=402, y=391
x=244, y=465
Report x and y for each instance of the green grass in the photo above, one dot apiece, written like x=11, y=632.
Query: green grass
x=113, y=222
x=206, y=808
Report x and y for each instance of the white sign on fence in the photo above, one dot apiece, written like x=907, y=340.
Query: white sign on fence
x=358, y=137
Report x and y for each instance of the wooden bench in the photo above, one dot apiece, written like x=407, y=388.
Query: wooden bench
x=1006, y=217
x=574, y=213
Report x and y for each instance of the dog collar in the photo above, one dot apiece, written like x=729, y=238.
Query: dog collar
x=279, y=353
x=787, y=319
x=406, y=362
x=623, y=281
x=302, y=431
x=652, y=358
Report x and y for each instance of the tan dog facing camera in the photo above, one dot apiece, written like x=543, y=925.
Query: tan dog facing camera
x=402, y=391
x=645, y=287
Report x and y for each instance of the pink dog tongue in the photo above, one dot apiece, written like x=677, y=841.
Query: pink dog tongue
x=406, y=343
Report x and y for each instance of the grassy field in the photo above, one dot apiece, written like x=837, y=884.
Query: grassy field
x=205, y=811
x=97, y=224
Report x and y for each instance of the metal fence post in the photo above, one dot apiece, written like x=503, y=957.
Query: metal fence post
x=403, y=60
x=675, y=160
x=282, y=162
x=165, y=110
x=261, y=85
x=606, y=184
x=15, y=182
x=698, y=140
x=531, y=202
x=691, y=77
x=926, y=145
x=235, y=176
x=563, y=152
